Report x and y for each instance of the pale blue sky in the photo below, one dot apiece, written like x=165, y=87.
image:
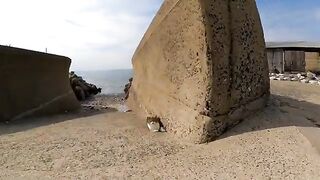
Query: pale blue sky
x=103, y=34
x=290, y=20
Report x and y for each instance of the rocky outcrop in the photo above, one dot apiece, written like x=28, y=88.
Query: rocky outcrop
x=34, y=84
x=81, y=88
x=201, y=67
x=127, y=89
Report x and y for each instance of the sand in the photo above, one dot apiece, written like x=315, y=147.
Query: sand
x=278, y=143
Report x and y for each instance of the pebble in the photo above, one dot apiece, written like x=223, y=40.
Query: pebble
x=286, y=78
x=311, y=75
x=281, y=77
x=313, y=82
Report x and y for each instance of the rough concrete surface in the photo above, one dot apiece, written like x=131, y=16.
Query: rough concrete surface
x=114, y=145
x=199, y=65
x=34, y=84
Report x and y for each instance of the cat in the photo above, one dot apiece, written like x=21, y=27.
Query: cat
x=155, y=125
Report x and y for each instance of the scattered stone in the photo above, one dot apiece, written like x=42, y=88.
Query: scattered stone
x=313, y=82
x=306, y=78
x=302, y=77
x=299, y=75
x=281, y=77
x=311, y=75
x=286, y=78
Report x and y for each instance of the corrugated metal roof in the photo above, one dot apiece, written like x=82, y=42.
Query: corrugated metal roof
x=297, y=44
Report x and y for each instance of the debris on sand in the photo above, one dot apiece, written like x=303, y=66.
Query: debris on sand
x=307, y=78
x=81, y=88
x=105, y=102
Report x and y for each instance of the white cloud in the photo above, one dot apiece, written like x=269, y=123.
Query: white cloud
x=102, y=34
x=96, y=34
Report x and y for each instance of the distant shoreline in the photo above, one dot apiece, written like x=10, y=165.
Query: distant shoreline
x=101, y=70
x=112, y=82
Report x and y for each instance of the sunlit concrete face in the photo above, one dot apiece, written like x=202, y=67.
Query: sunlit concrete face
x=34, y=84
x=201, y=67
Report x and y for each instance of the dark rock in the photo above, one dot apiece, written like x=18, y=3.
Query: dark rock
x=79, y=92
x=81, y=88
x=127, y=88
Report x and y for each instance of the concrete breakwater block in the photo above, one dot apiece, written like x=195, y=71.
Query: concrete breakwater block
x=201, y=67
x=34, y=84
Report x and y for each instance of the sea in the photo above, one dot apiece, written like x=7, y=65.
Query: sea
x=111, y=81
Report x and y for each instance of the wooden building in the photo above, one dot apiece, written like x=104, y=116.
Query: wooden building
x=293, y=56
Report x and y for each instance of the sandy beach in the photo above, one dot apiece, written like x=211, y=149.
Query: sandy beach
x=281, y=142
x=165, y=89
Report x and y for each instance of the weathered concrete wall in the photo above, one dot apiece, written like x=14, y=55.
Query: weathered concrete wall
x=34, y=84
x=200, y=66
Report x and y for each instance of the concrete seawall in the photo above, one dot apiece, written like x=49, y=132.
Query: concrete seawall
x=201, y=67
x=34, y=84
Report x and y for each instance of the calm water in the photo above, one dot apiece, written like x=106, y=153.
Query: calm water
x=111, y=81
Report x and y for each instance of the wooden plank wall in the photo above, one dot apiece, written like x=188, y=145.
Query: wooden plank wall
x=313, y=61
x=294, y=61
x=275, y=59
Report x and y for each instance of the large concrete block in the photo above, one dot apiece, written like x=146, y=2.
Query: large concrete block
x=34, y=84
x=201, y=67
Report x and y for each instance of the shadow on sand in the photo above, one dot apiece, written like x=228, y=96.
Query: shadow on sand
x=280, y=112
x=30, y=123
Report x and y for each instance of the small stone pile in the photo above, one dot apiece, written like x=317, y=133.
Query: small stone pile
x=308, y=78
x=81, y=88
